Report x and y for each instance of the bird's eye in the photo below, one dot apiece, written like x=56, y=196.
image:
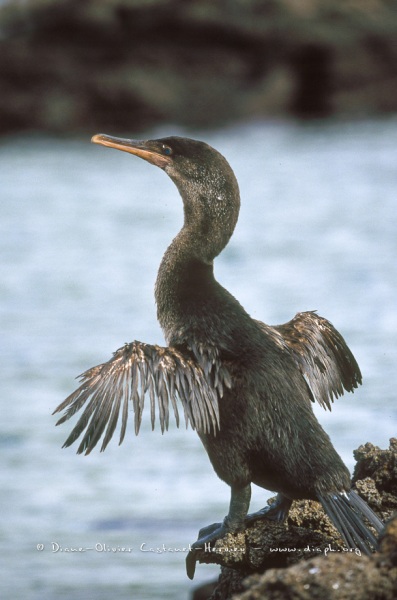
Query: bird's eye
x=167, y=150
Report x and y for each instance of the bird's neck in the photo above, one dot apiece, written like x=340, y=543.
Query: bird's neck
x=185, y=285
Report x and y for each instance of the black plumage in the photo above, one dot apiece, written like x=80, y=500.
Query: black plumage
x=246, y=387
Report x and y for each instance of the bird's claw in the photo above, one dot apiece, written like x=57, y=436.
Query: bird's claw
x=207, y=535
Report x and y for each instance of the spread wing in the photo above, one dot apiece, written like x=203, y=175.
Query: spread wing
x=322, y=356
x=196, y=378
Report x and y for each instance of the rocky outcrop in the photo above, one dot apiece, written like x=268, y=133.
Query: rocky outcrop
x=306, y=558
x=67, y=65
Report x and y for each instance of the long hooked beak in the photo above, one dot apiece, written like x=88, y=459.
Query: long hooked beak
x=144, y=149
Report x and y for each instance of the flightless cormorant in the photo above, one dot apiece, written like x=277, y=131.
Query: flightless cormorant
x=246, y=387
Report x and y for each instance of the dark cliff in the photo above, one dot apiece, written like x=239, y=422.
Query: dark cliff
x=68, y=66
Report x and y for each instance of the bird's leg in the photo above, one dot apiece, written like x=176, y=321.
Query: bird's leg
x=278, y=511
x=233, y=522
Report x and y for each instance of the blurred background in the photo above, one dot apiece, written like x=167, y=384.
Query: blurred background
x=67, y=65
x=301, y=99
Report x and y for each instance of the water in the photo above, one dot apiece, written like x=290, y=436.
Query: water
x=83, y=229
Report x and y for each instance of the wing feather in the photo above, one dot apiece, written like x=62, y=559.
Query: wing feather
x=322, y=355
x=166, y=374
x=124, y=418
x=114, y=417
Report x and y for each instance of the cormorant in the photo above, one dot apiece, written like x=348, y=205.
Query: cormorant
x=246, y=387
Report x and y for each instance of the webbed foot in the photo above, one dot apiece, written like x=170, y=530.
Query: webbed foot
x=207, y=536
x=278, y=511
x=234, y=522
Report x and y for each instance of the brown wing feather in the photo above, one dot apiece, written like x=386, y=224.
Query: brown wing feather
x=322, y=355
x=197, y=378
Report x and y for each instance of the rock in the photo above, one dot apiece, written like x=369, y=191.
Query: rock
x=337, y=577
x=268, y=544
x=388, y=544
x=380, y=467
x=120, y=65
x=306, y=558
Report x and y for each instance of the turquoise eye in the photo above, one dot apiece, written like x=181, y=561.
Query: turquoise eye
x=167, y=150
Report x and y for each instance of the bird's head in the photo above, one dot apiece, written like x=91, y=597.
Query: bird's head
x=203, y=177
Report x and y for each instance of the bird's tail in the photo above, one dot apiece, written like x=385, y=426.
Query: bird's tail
x=347, y=512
